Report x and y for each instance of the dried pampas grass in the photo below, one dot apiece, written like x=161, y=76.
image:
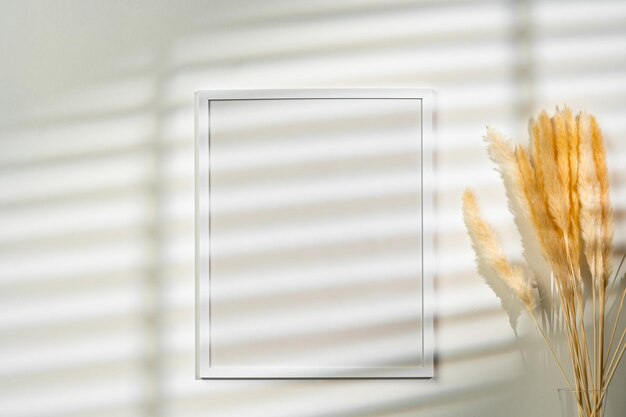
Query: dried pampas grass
x=493, y=264
x=558, y=192
x=503, y=154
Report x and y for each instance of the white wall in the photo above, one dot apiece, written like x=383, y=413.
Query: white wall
x=96, y=186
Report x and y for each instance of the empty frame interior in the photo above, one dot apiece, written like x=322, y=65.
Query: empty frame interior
x=311, y=235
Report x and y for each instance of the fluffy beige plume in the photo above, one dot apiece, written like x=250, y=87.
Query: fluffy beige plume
x=491, y=258
x=545, y=160
x=546, y=230
x=502, y=153
x=573, y=142
x=561, y=150
x=589, y=194
x=599, y=156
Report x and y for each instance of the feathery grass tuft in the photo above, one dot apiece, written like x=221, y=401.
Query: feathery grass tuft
x=558, y=193
x=503, y=155
x=491, y=259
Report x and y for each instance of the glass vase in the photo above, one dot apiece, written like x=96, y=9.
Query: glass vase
x=582, y=403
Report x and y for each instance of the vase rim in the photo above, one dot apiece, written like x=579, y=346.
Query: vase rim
x=581, y=390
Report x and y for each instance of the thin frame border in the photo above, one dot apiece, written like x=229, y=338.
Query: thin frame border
x=202, y=242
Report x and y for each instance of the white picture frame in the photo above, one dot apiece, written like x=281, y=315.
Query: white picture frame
x=214, y=360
